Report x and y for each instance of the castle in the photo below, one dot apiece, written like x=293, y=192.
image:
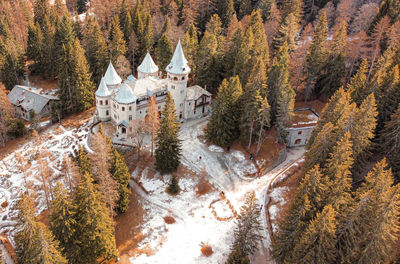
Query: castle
x=122, y=102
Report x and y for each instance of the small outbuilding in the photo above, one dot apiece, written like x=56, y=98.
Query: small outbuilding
x=24, y=99
x=303, y=123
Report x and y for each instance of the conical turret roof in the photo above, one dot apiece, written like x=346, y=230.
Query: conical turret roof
x=148, y=65
x=102, y=90
x=125, y=95
x=178, y=64
x=111, y=77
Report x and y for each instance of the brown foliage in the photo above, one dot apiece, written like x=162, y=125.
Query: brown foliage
x=169, y=219
x=6, y=112
x=206, y=250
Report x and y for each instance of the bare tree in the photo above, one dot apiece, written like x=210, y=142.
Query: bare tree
x=45, y=174
x=123, y=67
x=363, y=18
x=355, y=49
x=22, y=165
x=138, y=128
x=6, y=112
x=153, y=120
x=375, y=41
x=100, y=161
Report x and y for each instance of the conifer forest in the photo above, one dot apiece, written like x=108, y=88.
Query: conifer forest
x=200, y=131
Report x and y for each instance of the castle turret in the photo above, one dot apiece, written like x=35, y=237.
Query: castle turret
x=103, y=101
x=111, y=76
x=177, y=73
x=147, y=68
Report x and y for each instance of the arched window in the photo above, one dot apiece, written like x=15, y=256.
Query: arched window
x=107, y=113
x=175, y=78
x=123, y=108
x=106, y=102
x=183, y=78
x=101, y=102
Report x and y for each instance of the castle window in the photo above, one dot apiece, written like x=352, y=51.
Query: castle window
x=130, y=118
x=130, y=108
x=190, y=103
x=183, y=78
x=175, y=78
x=173, y=86
x=107, y=113
x=106, y=102
x=299, y=133
x=180, y=115
x=181, y=91
x=123, y=108
x=101, y=102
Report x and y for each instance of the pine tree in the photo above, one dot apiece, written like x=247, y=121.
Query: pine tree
x=120, y=173
x=10, y=62
x=41, y=8
x=337, y=169
x=34, y=242
x=167, y=26
x=34, y=45
x=76, y=87
x=332, y=112
x=223, y=127
x=190, y=45
x=153, y=120
x=247, y=233
x=173, y=187
x=233, y=42
x=370, y=231
x=63, y=36
x=294, y=7
x=168, y=146
x=322, y=145
x=164, y=51
x=126, y=21
x=83, y=162
x=116, y=42
x=95, y=50
x=335, y=67
x=244, y=58
x=309, y=200
x=48, y=55
x=94, y=236
x=288, y=31
x=260, y=38
x=206, y=60
x=225, y=11
x=358, y=87
x=316, y=54
x=390, y=142
x=317, y=245
x=145, y=32
x=62, y=222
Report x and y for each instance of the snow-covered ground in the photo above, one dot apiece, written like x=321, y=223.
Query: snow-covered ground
x=59, y=142
x=195, y=224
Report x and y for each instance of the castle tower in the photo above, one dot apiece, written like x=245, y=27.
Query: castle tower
x=103, y=101
x=111, y=77
x=177, y=73
x=147, y=68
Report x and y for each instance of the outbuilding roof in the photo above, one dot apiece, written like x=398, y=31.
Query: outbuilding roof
x=29, y=98
x=148, y=65
x=194, y=92
x=178, y=64
x=111, y=76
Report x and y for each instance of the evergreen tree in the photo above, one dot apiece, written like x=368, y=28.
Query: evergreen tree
x=94, y=236
x=247, y=233
x=335, y=67
x=309, y=200
x=390, y=143
x=126, y=23
x=166, y=27
x=223, y=127
x=117, y=44
x=168, y=146
x=41, y=9
x=76, y=87
x=337, y=169
x=48, y=50
x=95, y=50
x=332, y=112
x=190, y=45
x=83, y=162
x=206, y=60
x=260, y=38
x=34, y=242
x=225, y=11
x=244, y=58
x=233, y=42
x=34, y=45
x=173, y=187
x=287, y=32
x=63, y=36
x=62, y=222
x=294, y=7
x=316, y=54
x=244, y=8
x=317, y=245
x=10, y=62
x=120, y=173
x=370, y=231
x=164, y=51
x=358, y=87
x=145, y=33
